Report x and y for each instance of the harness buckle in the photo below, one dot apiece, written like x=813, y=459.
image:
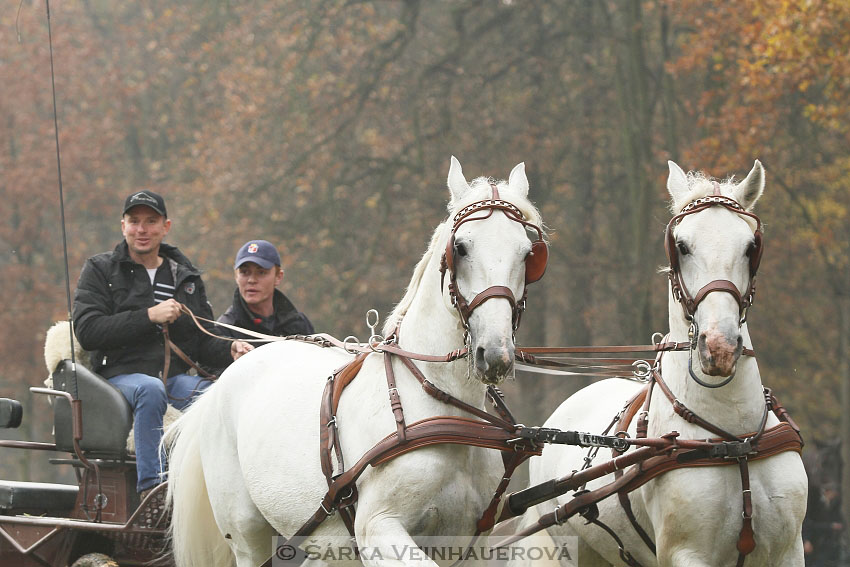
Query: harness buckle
x=732, y=450
x=558, y=521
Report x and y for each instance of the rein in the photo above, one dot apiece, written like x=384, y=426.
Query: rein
x=325, y=340
x=172, y=346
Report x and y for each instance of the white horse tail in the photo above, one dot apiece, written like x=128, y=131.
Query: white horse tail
x=195, y=537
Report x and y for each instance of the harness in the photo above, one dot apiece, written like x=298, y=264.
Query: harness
x=680, y=291
x=660, y=455
x=535, y=262
x=651, y=457
x=489, y=431
x=499, y=432
x=726, y=449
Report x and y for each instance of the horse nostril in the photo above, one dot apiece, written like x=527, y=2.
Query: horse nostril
x=480, y=360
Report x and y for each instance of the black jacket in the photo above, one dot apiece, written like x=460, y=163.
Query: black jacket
x=111, y=318
x=287, y=320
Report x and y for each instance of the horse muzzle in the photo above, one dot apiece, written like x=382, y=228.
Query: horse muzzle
x=494, y=363
x=719, y=351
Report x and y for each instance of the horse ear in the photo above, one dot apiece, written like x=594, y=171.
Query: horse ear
x=748, y=191
x=677, y=185
x=517, y=180
x=457, y=182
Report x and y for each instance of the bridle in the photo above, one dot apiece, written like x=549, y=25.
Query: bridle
x=680, y=291
x=535, y=262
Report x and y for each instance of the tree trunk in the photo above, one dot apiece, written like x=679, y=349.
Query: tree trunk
x=844, y=379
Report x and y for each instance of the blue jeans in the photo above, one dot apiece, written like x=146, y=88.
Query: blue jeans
x=149, y=397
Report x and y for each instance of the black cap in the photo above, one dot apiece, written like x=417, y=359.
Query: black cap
x=147, y=198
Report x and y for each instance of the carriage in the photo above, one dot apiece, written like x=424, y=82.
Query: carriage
x=100, y=521
x=470, y=289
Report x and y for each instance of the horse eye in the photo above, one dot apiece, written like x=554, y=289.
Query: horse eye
x=751, y=248
x=683, y=248
x=460, y=249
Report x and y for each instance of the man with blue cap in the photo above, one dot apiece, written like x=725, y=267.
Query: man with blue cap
x=257, y=303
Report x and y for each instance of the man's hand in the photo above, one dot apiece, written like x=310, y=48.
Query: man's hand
x=166, y=312
x=238, y=348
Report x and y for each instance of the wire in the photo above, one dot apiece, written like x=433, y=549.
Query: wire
x=73, y=384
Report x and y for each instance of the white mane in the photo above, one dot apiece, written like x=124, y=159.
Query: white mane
x=480, y=190
x=701, y=185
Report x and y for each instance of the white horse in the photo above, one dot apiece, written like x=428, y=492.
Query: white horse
x=245, y=462
x=693, y=515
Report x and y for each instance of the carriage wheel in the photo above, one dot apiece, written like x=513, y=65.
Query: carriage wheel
x=95, y=560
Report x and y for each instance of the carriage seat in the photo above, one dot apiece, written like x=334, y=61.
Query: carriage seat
x=36, y=497
x=107, y=417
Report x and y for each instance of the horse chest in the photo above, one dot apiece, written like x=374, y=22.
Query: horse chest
x=699, y=509
x=433, y=490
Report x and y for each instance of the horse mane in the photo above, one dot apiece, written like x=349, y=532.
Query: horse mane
x=480, y=189
x=701, y=185
x=402, y=306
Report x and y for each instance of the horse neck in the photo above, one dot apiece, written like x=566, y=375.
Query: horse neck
x=737, y=407
x=430, y=326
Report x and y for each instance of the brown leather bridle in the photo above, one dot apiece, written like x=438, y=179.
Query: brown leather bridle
x=535, y=262
x=680, y=291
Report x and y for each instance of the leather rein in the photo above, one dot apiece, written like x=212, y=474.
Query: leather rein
x=653, y=457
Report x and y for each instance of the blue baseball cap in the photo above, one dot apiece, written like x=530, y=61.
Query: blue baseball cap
x=261, y=252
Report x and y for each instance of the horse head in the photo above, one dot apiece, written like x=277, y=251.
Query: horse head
x=714, y=245
x=488, y=262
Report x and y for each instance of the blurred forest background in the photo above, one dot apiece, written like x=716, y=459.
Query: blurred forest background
x=327, y=127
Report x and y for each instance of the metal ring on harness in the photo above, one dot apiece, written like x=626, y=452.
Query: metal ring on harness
x=642, y=371
x=350, y=340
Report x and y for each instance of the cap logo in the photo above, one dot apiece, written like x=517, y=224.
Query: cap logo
x=252, y=248
x=143, y=197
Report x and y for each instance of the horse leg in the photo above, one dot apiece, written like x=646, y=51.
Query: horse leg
x=586, y=556
x=246, y=530
x=384, y=535
x=794, y=556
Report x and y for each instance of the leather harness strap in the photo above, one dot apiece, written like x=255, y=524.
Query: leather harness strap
x=649, y=462
x=492, y=432
x=395, y=399
x=166, y=367
x=430, y=431
x=762, y=444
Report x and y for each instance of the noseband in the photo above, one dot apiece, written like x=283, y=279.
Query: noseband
x=535, y=263
x=680, y=291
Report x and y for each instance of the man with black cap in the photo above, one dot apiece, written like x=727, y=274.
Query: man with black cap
x=124, y=303
x=257, y=303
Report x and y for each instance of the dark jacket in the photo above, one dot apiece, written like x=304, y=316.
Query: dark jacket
x=287, y=320
x=111, y=318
